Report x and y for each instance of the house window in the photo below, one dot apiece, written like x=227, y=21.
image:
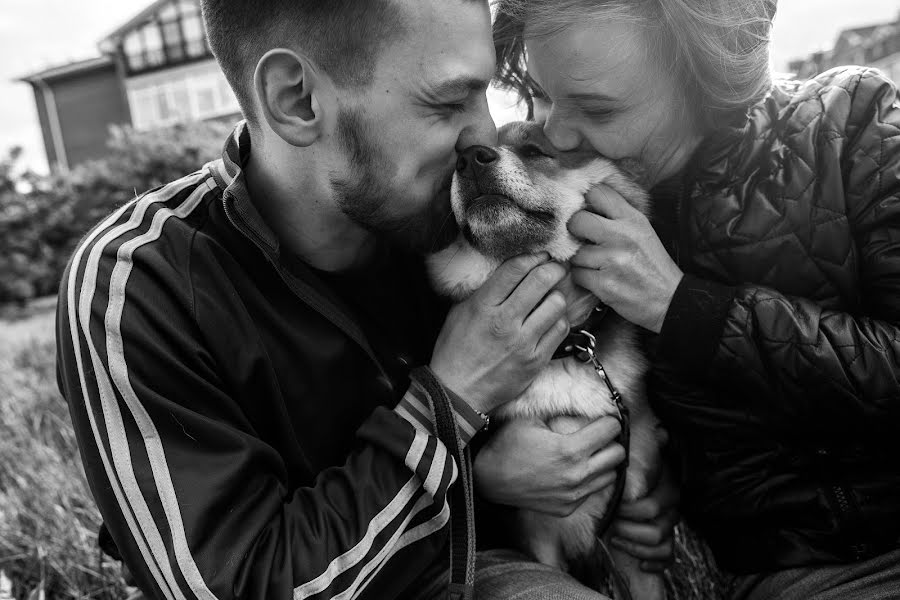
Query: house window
x=153, y=46
x=172, y=36
x=174, y=41
x=190, y=98
x=194, y=38
x=133, y=47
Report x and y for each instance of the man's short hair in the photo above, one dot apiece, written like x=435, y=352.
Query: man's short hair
x=343, y=37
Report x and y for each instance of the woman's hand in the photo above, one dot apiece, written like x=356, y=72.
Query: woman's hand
x=526, y=465
x=645, y=528
x=623, y=262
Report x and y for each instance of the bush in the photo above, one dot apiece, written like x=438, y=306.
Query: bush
x=40, y=227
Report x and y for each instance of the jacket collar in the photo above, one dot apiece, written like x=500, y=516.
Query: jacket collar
x=228, y=173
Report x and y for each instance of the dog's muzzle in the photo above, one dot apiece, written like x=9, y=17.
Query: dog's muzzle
x=474, y=161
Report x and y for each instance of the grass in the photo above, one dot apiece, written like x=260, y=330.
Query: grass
x=694, y=575
x=48, y=520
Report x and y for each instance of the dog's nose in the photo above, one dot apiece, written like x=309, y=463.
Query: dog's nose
x=473, y=160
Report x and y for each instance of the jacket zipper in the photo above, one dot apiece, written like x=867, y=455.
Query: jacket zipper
x=247, y=232
x=843, y=508
x=680, y=237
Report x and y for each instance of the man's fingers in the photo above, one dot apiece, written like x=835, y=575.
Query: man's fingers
x=594, y=436
x=550, y=310
x=553, y=337
x=601, y=482
x=539, y=281
x=662, y=500
x=607, y=459
x=609, y=203
x=509, y=275
x=656, y=566
x=645, y=534
x=659, y=552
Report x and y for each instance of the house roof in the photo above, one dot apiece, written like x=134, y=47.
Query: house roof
x=111, y=39
x=73, y=68
x=861, y=31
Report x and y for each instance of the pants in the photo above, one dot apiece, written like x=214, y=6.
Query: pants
x=508, y=575
x=874, y=579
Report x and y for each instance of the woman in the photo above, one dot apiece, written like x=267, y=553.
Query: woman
x=771, y=272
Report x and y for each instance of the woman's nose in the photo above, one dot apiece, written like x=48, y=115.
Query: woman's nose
x=563, y=138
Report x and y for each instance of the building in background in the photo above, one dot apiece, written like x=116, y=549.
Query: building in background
x=875, y=46
x=154, y=71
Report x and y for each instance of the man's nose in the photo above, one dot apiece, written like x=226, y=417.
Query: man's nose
x=481, y=131
x=474, y=160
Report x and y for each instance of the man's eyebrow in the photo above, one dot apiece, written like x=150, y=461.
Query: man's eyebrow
x=458, y=86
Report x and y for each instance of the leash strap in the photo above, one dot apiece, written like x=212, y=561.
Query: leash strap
x=586, y=354
x=462, y=500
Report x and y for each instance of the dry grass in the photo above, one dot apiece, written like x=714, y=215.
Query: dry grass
x=48, y=520
x=694, y=575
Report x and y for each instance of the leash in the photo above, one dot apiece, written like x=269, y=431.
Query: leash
x=587, y=354
x=461, y=495
x=582, y=346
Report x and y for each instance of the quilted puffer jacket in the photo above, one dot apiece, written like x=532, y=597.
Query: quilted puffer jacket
x=778, y=366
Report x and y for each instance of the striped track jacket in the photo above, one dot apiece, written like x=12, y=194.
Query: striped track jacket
x=240, y=436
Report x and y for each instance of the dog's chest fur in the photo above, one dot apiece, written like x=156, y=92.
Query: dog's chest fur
x=570, y=387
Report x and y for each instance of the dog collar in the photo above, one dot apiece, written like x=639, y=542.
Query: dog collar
x=582, y=337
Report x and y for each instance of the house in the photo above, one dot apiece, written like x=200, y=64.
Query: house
x=153, y=71
x=875, y=46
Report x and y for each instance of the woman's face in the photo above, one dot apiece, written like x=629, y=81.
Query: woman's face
x=599, y=88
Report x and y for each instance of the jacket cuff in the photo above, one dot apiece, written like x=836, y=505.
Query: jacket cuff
x=416, y=407
x=693, y=326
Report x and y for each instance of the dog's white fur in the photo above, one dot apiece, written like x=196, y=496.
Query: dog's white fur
x=567, y=394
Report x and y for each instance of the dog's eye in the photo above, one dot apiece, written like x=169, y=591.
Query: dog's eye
x=532, y=151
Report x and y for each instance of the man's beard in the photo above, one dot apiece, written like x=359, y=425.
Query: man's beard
x=365, y=194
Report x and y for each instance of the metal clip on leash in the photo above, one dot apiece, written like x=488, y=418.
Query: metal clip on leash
x=588, y=354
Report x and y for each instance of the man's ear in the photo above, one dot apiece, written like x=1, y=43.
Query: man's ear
x=288, y=88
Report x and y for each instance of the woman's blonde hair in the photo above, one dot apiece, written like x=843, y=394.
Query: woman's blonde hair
x=719, y=49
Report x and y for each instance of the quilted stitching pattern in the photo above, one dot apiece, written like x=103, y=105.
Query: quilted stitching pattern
x=804, y=218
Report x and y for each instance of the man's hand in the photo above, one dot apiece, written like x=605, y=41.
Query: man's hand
x=645, y=528
x=494, y=343
x=526, y=465
x=624, y=263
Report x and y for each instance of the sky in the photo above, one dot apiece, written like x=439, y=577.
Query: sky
x=35, y=34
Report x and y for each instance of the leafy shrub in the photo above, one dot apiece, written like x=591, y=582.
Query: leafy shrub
x=40, y=227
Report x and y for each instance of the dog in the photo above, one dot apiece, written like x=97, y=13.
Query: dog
x=517, y=198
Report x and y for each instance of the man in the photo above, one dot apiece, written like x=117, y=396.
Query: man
x=236, y=346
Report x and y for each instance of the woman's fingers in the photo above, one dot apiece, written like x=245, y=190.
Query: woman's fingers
x=610, y=203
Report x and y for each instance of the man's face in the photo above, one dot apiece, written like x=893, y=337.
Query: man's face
x=398, y=139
